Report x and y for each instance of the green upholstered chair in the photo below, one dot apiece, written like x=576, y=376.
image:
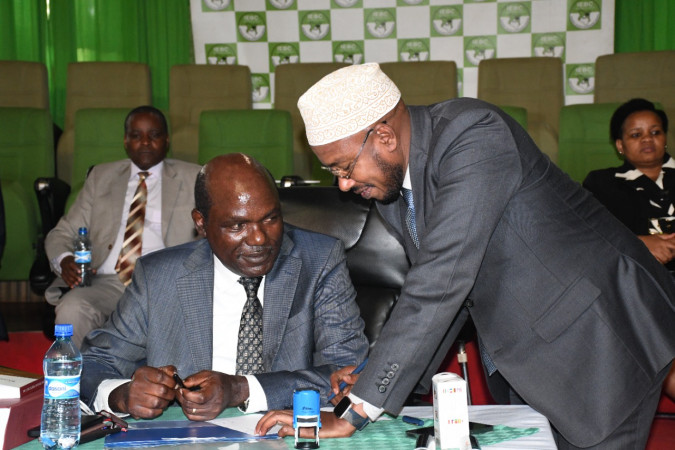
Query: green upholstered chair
x=423, y=82
x=194, y=88
x=584, y=143
x=23, y=84
x=26, y=153
x=290, y=82
x=265, y=134
x=518, y=113
x=99, y=85
x=535, y=84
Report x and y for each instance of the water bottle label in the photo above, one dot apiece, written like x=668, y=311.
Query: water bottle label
x=82, y=257
x=62, y=387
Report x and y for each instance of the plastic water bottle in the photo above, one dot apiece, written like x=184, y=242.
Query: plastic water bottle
x=60, y=424
x=83, y=255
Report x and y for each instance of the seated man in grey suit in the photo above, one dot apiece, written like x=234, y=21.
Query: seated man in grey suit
x=186, y=310
x=104, y=205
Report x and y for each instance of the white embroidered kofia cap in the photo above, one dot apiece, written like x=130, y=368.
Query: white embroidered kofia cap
x=346, y=101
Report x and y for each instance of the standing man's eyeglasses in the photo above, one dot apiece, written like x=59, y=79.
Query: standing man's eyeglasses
x=347, y=173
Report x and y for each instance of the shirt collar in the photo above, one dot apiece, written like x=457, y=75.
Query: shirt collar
x=407, y=182
x=155, y=171
x=221, y=271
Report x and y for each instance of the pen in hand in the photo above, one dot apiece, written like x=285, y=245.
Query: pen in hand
x=179, y=382
x=342, y=384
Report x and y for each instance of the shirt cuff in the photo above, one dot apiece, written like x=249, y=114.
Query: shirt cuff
x=373, y=412
x=104, y=390
x=56, y=262
x=257, y=400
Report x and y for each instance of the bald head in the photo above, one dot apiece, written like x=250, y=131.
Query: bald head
x=238, y=212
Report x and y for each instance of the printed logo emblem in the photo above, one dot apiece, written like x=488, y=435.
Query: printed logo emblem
x=447, y=20
x=479, y=48
x=548, y=44
x=413, y=50
x=251, y=25
x=346, y=3
x=413, y=2
x=217, y=5
x=584, y=14
x=284, y=53
x=261, y=87
x=380, y=23
x=350, y=52
x=581, y=78
x=281, y=4
x=221, y=54
x=514, y=17
x=315, y=25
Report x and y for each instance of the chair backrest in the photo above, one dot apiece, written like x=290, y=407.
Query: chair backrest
x=265, y=134
x=651, y=75
x=99, y=85
x=585, y=144
x=23, y=84
x=99, y=138
x=290, y=82
x=376, y=260
x=439, y=80
x=518, y=113
x=196, y=88
x=535, y=84
x=26, y=153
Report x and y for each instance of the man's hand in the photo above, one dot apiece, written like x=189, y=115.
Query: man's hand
x=70, y=272
x=216, y=391
x=331, y=426
x=148, y=393
x=344, y=374
x=661, y=246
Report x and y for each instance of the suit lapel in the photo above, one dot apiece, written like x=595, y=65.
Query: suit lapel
x=195, y=295
x=170, y=189
x=280, y=286
x=112, y=196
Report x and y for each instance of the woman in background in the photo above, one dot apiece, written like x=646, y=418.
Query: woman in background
x=642, y=190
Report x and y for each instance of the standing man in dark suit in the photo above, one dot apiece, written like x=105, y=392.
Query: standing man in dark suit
x=103, y=206
x=184, y=311
x=570, y=308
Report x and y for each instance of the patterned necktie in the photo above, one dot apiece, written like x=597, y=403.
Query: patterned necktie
x=250, y=344
x=410, y=215
x=133, y=233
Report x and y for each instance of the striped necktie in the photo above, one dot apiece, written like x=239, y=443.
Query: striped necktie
x=410, y=215
x=133, y=233
x=250, y=343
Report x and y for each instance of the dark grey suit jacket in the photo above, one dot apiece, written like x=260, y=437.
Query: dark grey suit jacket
x=311, y=321
x=577, y=315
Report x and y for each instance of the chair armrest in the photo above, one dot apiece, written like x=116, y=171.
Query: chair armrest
x=52, y=194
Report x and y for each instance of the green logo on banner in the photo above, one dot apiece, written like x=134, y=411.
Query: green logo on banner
x=380, y=23
x=479, y=1
x=221, y=53
x=580, y=79
x=548, y=44
x=413, y=49
x=514, y=17
x=281, y=4
x=345, y=3
x=260, y=83
x=314, y=25
x=283, y=53
x=411, y=2
x=350, y=52
x=583, y=15
x=216, y=5
x=478, y=48
x=446, y=20
x=251, y=26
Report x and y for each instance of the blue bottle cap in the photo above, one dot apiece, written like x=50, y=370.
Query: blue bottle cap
x=82, y=230
x=63, y=329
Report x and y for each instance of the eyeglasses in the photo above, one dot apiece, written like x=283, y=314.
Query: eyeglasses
x=347, y=173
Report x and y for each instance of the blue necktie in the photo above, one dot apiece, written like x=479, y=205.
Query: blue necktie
x=410, y=215
x=489, y=364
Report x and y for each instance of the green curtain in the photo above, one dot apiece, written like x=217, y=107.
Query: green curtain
x=22, y=30
x=644, y=25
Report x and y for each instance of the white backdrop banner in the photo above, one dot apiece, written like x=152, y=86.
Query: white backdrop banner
x=265, y=33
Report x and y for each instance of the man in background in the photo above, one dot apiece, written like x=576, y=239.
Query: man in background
x=130, y=207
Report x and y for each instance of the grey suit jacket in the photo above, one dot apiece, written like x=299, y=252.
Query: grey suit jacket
x=577, y=315
x=311, y=321
x=100, y=202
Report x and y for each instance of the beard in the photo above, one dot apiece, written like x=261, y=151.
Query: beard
x=393, y=174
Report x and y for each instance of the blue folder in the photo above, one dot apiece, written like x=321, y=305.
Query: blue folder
x=172, y=432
